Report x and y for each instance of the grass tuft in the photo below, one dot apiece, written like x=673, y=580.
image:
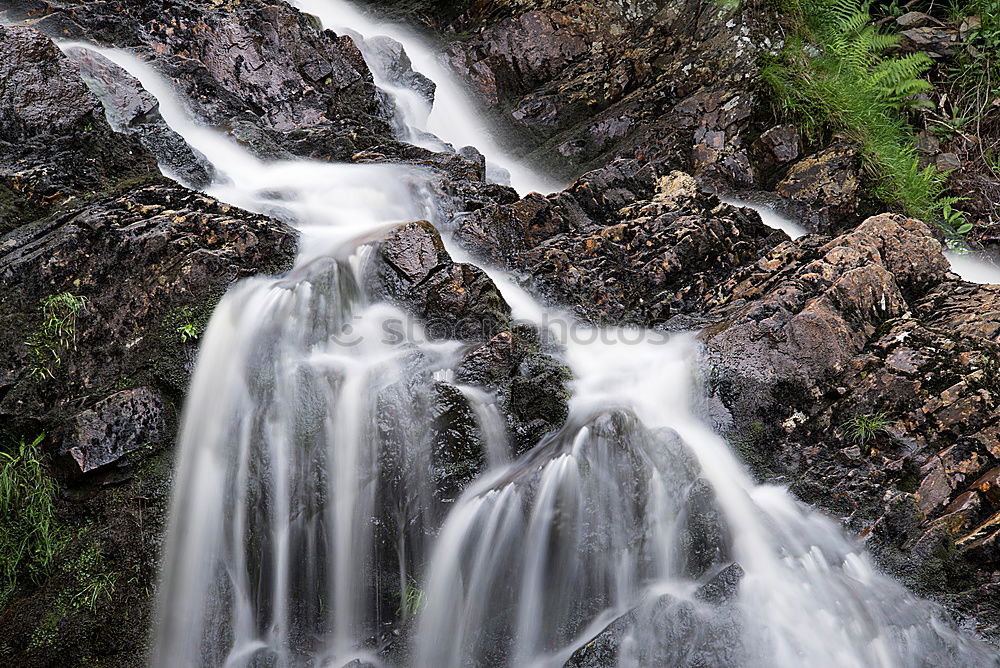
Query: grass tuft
x=30, y=535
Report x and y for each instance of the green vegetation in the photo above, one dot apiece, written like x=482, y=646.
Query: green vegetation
x=412, y=600
x=30, y=534
x=94, y=582
x=188, y=328
x=834, y=75
x=864, y=427
x=57, y=333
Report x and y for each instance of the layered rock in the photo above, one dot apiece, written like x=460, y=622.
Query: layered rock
x=263, y=70
x=108, y=273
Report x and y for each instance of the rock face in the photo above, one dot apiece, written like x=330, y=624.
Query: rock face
x=848, y=364
x=56, y=145
x=262, y=69
x=129, y=265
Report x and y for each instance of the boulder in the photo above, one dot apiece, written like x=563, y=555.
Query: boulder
x=454, y=301
x=114, y=427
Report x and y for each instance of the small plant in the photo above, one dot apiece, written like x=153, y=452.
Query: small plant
x=864, y=427
x=57, y=333
x=188, y=330
x=955, y=226
x=413, y=600
x=30, y=534
x=94, y=583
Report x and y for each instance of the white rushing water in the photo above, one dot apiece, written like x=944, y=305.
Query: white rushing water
x=304, y=528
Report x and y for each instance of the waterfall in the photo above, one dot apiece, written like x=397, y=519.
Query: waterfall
x=304, y=528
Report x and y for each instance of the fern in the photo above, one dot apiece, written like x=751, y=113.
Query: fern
x=853, y=87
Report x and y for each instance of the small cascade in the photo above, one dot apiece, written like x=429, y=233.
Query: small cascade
x=306, y=528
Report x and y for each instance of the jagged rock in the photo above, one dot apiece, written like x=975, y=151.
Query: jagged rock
x=826, y=189
x=265, y=64
x=395, y=66
x=782, y=143
x=663, y=257
x=414, y=270
x=115, y=426
x=56, y=148
x=529, y=381
x=578, y=84
x=723, y=587
x=132, y=110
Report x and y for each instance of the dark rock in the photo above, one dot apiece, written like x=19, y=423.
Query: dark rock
x=132, y=110
x=723, y=587
x=935, y=40
x=261, y=63
x=947, y=162
x=56, y=147
x=827, y=189
x=704, y=540
x=115, y=426
x=917, y=20
x=413, y=269
x=458, y=447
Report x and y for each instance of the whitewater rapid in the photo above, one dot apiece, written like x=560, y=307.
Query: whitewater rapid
x=272, y=556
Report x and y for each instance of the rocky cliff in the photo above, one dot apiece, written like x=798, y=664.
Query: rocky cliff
x=849, y=364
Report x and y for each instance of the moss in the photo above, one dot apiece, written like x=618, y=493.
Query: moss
x=175, y=340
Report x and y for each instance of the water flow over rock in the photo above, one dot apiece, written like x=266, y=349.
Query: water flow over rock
x=325, y=440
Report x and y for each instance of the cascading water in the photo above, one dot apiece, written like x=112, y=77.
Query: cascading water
x=305, y=442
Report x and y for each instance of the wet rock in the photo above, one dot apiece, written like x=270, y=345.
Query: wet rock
x=114, y=427
x=454, y=301
x=800, y=328
x=663, y=260
x=132, y=110
x=529, y=382
x=261, y=63
x=578, y=84
x=704, y=540
x=826, y=188
x=458, y=451
x=723, y=587
x=56, y=147
x=518, y=54
x=673, y=632
x=395, y=66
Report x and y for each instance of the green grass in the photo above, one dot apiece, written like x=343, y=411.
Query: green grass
x=56, y=335
x=30, y=534
x=412, y=600
x=94, y=581
x=864, y=427
x=834, y=76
